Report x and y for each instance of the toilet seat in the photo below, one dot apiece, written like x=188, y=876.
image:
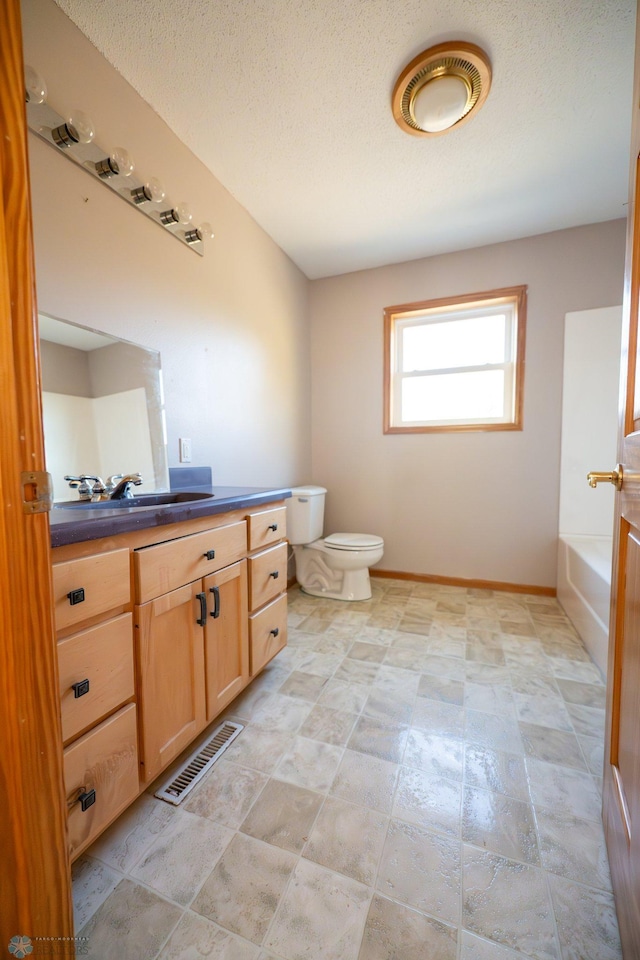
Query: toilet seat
x=353, y=541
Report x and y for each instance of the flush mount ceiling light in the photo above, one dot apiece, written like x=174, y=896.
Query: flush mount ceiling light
x=441, y=88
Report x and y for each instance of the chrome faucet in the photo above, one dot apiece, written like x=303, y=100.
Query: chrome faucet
x=94, y=491
x=122, y=490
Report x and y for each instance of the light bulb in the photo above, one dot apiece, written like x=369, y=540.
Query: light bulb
x=181, y=213
x=206, y=231
x=153, y=190
x=80, y=126
x=440, y=103
x=35, y=87
x=120, y=163
x=123, y=161
x=203, y=232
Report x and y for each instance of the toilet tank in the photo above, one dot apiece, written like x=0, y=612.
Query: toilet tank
x=305, y=514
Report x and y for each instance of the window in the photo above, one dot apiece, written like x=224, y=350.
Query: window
x=455, y=364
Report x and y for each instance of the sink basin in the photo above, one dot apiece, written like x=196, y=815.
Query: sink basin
x=144, y=500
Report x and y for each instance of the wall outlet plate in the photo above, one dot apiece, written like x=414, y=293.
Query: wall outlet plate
x=185, y=450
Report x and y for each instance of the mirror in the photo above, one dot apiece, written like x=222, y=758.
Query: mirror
x=103, y=407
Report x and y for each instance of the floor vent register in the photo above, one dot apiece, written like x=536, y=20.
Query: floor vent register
x=199, y=763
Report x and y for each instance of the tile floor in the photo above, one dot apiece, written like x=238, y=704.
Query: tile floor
x=419, y=777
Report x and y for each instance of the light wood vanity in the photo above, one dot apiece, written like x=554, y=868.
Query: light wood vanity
x=158, y=630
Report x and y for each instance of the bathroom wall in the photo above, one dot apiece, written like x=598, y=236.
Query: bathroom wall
x=232, y=326
x=468, y=505
x=589, y=418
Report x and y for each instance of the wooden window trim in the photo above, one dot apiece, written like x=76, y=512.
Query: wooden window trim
x=519, y=295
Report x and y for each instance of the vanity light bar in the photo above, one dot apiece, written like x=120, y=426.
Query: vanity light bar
x=71, y=138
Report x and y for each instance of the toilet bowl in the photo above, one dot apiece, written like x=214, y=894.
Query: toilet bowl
x=337, y=566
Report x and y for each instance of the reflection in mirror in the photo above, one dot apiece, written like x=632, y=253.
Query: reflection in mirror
x=103, y=407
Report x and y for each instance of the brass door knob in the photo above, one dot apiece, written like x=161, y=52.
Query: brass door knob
x=615, y=477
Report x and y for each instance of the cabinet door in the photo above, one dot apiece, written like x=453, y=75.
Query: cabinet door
x=226, y=636
x=170, y=655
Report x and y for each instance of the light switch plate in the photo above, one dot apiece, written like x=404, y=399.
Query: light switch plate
x=185, y=450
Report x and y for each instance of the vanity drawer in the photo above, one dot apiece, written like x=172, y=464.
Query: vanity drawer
x=267, y=575
x=105, y=761
x=167, y=566
x=89, y=586
x=267, y=526
x=103, y=656
x=267, y=633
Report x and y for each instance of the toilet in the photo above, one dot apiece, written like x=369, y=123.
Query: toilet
x=336, y=567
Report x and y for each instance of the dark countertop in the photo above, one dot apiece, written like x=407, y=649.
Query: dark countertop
x=92, y=523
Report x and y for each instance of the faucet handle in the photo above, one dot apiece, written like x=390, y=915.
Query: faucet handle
x=112, y=480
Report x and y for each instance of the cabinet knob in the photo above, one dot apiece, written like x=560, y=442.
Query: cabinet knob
x=273, y=526
x=76, y=596
x=87, y=799
x=80, y=688
x=274, y=632
x=275, y=574
x=209, y=555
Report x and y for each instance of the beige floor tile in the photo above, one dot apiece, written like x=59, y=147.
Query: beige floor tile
x=500, y=824
x=321, y=915
x=357, y=671
x=374, y=652
x=196, y=938
x=366, y=780
x=319, y=663
x=508, y=902
x=588, y=694
x=496, y=770
x=226, y=793
x=552, y=746
x=283, y=815
x=397, y=682
x=259, y=749
x=443, y=719
x=547, y=711
x=310, y=763
x=243, y=891
x=566, y=791
x=586, y=920
x=534, y=684
x=492, y=731
x=131, y=924
x=124, y=843
x=587, y=721
x=388, y=706
x=345, y=695
x=573, y=848
x=429, y=801
x=435, y=755
x=593, y=753
x=182, y=856
x=396, y=932
x=281, y=714
x=453, y=668
x=93, y=881
x=441, y=688
x=475, y=948
x=328, y=725
x=305, y=686
x=348, y=839
x=446, y=646
x=422, y=869
x=489, y=698
x=379, y=738
x=583, y=672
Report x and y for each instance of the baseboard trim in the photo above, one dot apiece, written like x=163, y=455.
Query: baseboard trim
x=470, y=584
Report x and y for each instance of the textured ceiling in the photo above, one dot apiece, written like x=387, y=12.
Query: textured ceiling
x=288, y=104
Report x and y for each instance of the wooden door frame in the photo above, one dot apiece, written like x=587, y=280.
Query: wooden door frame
x=35, y=890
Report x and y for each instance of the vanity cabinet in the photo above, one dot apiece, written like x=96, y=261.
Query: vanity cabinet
x=158, y=631
x=92, y=597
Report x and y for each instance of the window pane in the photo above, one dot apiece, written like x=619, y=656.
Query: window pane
x=454, y=343
x=454, y=396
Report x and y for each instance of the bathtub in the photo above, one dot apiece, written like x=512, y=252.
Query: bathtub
x=584, y=590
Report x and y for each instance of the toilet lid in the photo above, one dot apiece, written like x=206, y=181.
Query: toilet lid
x=353, y=541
